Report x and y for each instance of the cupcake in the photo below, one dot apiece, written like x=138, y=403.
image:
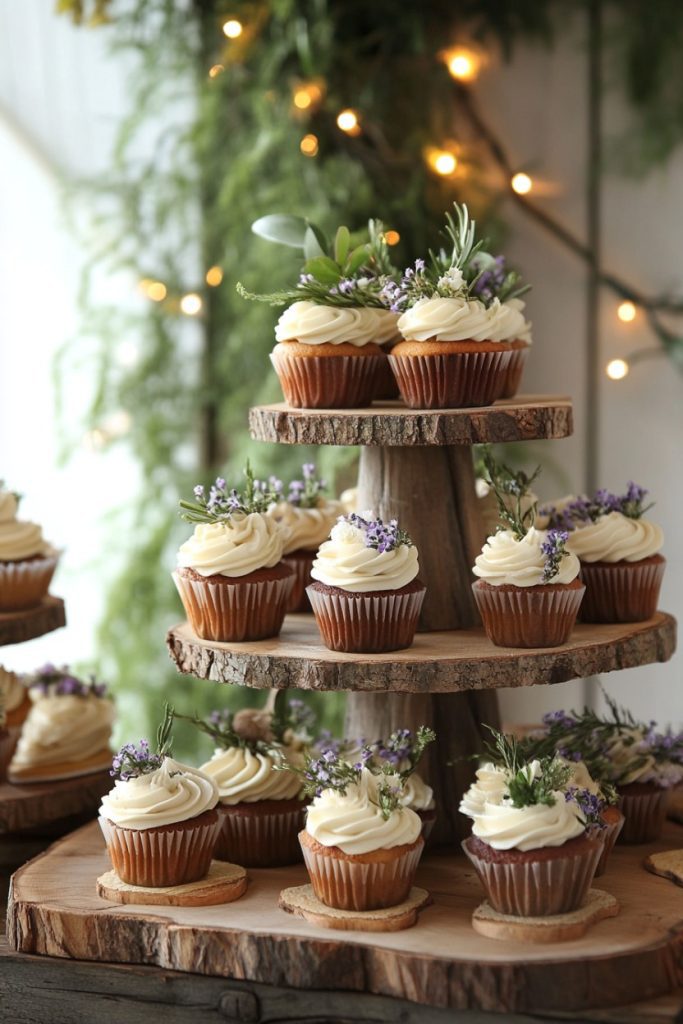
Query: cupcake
x=366, y=596
x=532, y=851
x=619, y=554
x=361, y=845
x=261, y=807
x=159, y=821
x=231, y=577
x=15, y=705
x=307, y=518
x=464, y=332
x=67, y=731
x=27, y=561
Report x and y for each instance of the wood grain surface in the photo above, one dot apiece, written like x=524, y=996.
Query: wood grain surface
x=37, y=804
x=17, y=627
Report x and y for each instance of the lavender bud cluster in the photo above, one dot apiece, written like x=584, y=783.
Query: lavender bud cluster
x=553, y=547
x=377, y=534
x=134, y=760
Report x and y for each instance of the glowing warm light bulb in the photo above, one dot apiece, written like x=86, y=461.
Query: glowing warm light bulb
x=626, y=312
x=617, y=369
x=154, y=290
x=521, y=183
x=309, y=145
x=214, y=276
x=444, y=163
x=190, y=304
x=463, y=64
x=216, y=70
x=233, y=28
x=302, y=98
x=392, y=237
x=347, y=120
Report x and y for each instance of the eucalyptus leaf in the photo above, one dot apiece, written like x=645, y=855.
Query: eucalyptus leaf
x=342, y=244
x=323, y=269
x=283, y=228
x=356, y=260
x=316, y=240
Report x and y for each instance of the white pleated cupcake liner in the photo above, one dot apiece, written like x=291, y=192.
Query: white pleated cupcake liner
x=623, y=592
x=25, y=584
x=528, y=618
x=354, y=885
x=452, y=381
x=608, y=837
x=328, y=382
x=537, y=888
x=233, y=612
x=161, y=858
x=513, y=374
x=644, y=815
x=366, y=624
x=298, y=598
x=260, y=840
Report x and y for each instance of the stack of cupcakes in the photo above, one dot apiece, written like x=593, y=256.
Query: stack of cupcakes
x=27, y=561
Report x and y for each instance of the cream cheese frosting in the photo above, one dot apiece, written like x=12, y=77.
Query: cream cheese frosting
x=354, y=823
x=312, y=324
x=18, y=538
x=462, y=319
x=243, y=776
x=63, y=728
x=623, y=753
x=616, y=538
x=417, y=795
x=344, y=561
x=387, y=327
x=242, y=545
x=306, y=528
x=13, y=693
x=174, y=792
x=505, y=560
x=488, y=787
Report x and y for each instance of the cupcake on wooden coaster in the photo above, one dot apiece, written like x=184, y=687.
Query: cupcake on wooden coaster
x=223, y=883
x=301, y=900
x=596, y=906
x=668, y=864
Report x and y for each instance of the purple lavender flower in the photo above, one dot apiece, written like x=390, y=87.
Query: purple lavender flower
x=379, y=535
x=553, y=547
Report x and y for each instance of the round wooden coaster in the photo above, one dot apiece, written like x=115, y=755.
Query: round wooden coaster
x=223, y=884
x=557, y=928
x=301, y=900
x=667, y=863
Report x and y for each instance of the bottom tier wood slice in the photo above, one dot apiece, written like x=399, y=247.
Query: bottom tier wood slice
x=441, y=962
x=17, y=627
x=39, y=804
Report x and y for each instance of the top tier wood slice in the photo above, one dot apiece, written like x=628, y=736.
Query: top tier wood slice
x=391, y=424
x=16, y=627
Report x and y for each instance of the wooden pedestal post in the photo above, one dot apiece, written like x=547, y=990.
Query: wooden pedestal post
x=430, y=490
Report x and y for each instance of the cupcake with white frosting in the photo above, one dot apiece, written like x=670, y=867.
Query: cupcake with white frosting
x=366, y=595
x=15, y=705
x=261, y=807
x=67, y=731
x=159, y=821
x=619, y=551
x=27, y=561
x=231, y=578
x=307, y=518
x=531, y=847
x=462, y=321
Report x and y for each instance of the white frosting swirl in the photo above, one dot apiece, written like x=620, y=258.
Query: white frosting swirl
x=461, y=319
x=306, y=528
x=628, y=762
x=13, y=693
x=313, y=324
x=505, y=560
x=242, y=545
x=387, y=327
x=64, y=728
x=417, y=795
x=174, y=792
x=18, y=538
x=344, y=561
x=245, y=777
x=488, y=787
x=354, y=823
x=616, y=538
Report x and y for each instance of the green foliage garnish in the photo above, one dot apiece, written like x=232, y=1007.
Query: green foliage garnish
x=221, y=505
x=509, y=484
x=526, y=787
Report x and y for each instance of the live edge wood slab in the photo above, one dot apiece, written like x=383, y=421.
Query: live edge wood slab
x=441, y=962
x=39, y=804
x=440, y=662
x=391, y=424
x=17, y=627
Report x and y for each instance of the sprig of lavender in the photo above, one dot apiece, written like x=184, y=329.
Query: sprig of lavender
x=554, y=549
x=589, y=804
x=219, y=725
x=136, y=759
x=305, y=493
x=590, y=509
x=62, y=682
x=222, y=504
x=331, y=771
x=403, y=750
x=292, y=715
x=512, y=484
x=376, y=533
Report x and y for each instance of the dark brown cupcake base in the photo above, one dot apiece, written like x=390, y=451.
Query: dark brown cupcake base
x=370, y=623
x=621, y=591
x=539, y=616
x=234, y=609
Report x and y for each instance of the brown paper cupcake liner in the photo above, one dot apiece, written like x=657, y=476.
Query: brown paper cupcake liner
x=453, y=381
x=301, y=564
x=513, y=374
x=159, y=857
x=537, y=888
x=607, y=837
x=236, y=611
x=367, y=624
x=428, y=819
x=260, y=840
x=328, y=382
x=623, y=592
x=644, y=813
x=525, y=617
x=25, y=584
x=352, y=884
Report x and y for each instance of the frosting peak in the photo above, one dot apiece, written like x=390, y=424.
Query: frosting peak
x=236, y=547
x=62, y=728
x=313, y=324
x=346, y=561
x=245, y=777
x=174, y=792
x=616, y=538
x=18, y=538
x=506, y=560
x=462, y=319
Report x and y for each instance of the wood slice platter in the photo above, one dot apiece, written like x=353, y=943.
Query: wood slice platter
x=37, y=804
x=224, y=883
x=391, y=424
x=301, y=900
x=555, y=928
x=16, y=627
x=442, y=662
x=668, y=864
x=441, y=962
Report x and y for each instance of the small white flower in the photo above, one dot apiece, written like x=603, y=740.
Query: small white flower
x=452, y=280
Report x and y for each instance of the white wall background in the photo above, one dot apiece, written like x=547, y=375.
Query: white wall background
x=61, y=95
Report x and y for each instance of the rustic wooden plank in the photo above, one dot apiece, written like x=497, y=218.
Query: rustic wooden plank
x=441, y=962
x=442, y=662
x=16, y=627
x=523, y=418
x=37, y=804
